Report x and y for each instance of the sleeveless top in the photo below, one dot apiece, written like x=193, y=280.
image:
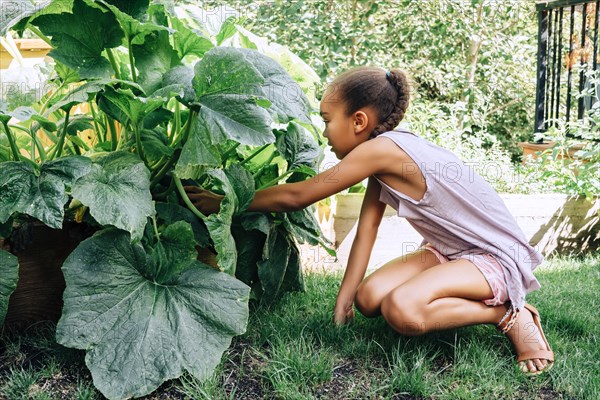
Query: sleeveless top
x=460, y=213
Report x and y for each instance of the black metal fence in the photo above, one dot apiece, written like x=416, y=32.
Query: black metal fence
x=567, y=46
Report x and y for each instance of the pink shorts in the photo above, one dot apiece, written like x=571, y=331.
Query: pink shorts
x=489, y=267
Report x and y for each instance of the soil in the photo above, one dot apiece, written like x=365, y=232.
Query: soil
x=241, y=376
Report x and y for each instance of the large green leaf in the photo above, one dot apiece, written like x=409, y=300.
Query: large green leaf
x=134, y=29
x=256, y=221
x=87, y=91
x=79, y=38
x=303, y=225
x=139, y=333
x=243, y=184
x=279, y=271
x=9, y=275
x=135, y=8
x=40, y=194
x=238, y=186
x=287, y=98
x=117, y=192
x=198, y=152
x=227, y=70
x=249, y=246
x=228, y=89
x=297, y=68
x=136, y=108
x=153, y=59
x=155, y=144
x=80, y=94
x=171, y=213
x=181, y=75
x=173, y=253
x=189, y=41
x=298, y=147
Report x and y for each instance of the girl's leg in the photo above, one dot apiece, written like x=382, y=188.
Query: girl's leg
x=449, y=295
x=394, y=273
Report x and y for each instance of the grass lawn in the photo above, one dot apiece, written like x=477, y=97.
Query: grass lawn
x=293, y=351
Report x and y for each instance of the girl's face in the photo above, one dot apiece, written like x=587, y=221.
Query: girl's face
x=344, y=133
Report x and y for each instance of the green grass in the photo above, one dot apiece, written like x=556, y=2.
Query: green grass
x=293, y=351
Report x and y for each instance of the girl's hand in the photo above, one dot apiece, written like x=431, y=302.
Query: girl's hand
x=343, y=313
x=204, y=200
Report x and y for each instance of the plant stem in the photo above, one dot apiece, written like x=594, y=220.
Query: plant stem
x=132, y=66
x=163, y=171
x=39, y=34
x=57, y=92
x=155, y=228
x=39, y=146
x=32, y=147
x=113, y=133
x=61, y=139
x=274, y=181
x=186, y=129
x=138, y=144
x=280, y=177
x=177, y=124
x=225, y=155
x=260, y=171
x=101, y=135
x=34, y=138
x=113, y=63
x=76, y=148
x=177, y=154
x=186, y=199
x=11, y=141
x=254, y=154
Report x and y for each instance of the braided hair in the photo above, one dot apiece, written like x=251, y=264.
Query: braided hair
x=388, y=92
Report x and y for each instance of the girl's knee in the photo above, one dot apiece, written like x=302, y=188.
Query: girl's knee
x=404, y=313
x=367, y=300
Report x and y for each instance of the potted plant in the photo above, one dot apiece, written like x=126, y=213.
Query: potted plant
x=167, y=103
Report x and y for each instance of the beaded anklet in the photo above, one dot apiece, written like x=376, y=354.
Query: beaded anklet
x=513, y=313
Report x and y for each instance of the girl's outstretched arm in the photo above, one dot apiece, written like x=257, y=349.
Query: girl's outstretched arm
x=364, y=160
x=371, y=213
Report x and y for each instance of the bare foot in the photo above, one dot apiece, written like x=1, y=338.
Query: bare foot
x=525, y=337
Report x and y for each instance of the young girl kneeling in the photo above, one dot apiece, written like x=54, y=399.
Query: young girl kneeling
x=474, y=265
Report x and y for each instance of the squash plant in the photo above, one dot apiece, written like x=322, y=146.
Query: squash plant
x=167, y=103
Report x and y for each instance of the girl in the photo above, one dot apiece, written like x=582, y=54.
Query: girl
x=474, y=265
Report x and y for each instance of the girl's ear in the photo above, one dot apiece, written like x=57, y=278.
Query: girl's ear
x=361, y=120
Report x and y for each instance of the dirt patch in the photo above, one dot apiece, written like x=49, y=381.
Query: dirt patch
x=544, y=393
x=241, y=374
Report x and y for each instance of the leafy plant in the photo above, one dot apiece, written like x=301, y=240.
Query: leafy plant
x=572, y=164
x=163, y=104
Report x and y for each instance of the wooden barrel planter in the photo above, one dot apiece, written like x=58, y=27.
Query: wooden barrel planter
x=38, y=295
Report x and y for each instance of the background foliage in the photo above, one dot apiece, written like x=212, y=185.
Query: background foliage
x=473, y=64
x=467, y=57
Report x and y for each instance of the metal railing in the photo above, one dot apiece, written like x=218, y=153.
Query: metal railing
x=567, y=46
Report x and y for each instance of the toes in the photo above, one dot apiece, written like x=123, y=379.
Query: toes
x=539, y=364
x=531, y=366
x=523, y=366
